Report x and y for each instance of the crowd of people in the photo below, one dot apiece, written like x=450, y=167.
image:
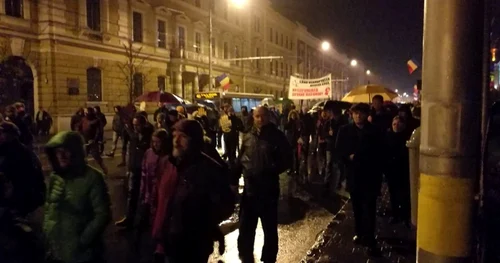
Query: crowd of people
x=181, y=189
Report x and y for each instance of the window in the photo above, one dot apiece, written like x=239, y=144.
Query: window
x=137, y=26
x=197, y=42
x=286, y=42
x=162, y=34
x=286, y=70
x=291, y=70
x=138, y=84
x=257, y=54
x=14, y=8
x=226, y=51
x=237, y=54
x=94, y=89
x=214, y=48
x=162, y=82
x=271, y=34
x=276, y=68
x=281, y=40
x=281, y=70
x=276, y=38
x=182, y=37
x=94, y=14
x=197, y=3
x=271, y=67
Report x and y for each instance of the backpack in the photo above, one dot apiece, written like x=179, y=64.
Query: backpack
x=224, y=198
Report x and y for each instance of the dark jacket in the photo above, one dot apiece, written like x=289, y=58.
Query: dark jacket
x=43, y=119
x=139, y=144
x=90, y=128
x=247, y=120
x=117, y=124
x=308, y=127
x=190, y=221
x=76, y=121
x=383, y=119
x=367, y=145
x=263, y=157
x=335, y=126
x=292, y=131
x=78, y=207
x=396, y=150
x=26, y=137
x=23, y=169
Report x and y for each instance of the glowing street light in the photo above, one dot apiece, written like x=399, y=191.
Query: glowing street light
x=325, y=46
x=239, y=3
x=396, y=90
x=354, y=63
x=368, y=72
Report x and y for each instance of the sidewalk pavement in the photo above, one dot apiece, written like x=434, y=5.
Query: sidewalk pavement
x=396, y=242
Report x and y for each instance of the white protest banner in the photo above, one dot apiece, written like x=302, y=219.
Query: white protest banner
x=306, y=89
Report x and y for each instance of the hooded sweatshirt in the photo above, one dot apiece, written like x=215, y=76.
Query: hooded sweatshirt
x=77, y=209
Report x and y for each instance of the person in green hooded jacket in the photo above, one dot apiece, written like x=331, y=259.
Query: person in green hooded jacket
x=77, y=210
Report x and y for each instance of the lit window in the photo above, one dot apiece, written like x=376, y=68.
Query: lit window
x=162, y=34
x=162, y=82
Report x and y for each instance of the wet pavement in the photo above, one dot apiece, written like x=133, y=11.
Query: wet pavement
x=303, y=220
x=396, y=242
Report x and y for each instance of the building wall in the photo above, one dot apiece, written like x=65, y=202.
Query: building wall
x=56, y=40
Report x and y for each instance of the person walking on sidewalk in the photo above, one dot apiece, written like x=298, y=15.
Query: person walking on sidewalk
x=78, y=206
x=117, y=127
x=265, y=154
x=140, y=141
x=359, y=145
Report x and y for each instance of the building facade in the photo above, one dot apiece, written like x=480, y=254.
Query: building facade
x=68, y=54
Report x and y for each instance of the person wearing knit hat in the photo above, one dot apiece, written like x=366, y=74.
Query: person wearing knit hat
x=190, y=129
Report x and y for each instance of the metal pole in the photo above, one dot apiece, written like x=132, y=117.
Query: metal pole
x=210, y=28
x=450, y=142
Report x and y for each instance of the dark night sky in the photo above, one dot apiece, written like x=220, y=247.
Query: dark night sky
x=383, y=34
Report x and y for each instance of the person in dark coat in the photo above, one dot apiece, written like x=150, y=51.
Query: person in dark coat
x=265, y=154
x=90, y=129
x=192, y=227
x=379, y=116
x=306, y=132
x=103, y=122
x=22, y=191
x=15, y=114
x=292, y=133
x=140, y=141
x=231, y=135
x=43, y=122
x=359, y=145
x=334, y=167
x=117, y=127
x=411, y=123
x=246, y=119
x=397, y=171
x=76, y=119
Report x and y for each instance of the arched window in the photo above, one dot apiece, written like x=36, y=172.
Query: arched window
x=94, y=14
x=14, y=8
x=94, y=85
x=138, y=84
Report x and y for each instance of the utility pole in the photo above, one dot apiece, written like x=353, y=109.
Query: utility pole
x=210, y=51
x=450, y=132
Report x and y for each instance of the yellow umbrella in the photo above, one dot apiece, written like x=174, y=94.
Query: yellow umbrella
x=365, y=94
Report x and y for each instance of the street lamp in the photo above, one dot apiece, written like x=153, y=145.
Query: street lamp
x=239, y=3
x=354, y=63
x=368, y=72
x=325, y=46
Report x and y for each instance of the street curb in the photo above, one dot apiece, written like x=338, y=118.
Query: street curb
x=324, y=240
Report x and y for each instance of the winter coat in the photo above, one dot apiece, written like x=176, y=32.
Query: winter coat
x=77, y=210
x=307, y=123
x=23, y=169
x=190, y=220
x=321, y=131
x=139, y=144
x=165, y=184
x=397, y=156
x=335, y=126
x=264, y=155
x=149, y=179
x=117, y=124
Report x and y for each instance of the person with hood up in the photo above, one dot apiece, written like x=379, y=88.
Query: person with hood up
x=78, y=207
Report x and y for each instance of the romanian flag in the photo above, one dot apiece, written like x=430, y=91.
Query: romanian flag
x=412, y=65
x=224, y=81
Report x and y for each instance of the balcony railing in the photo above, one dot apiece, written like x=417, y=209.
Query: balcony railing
x=197, y=57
